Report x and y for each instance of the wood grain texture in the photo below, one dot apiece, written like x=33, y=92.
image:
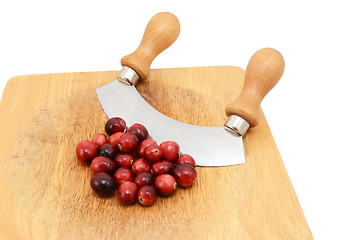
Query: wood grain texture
x=45, y=191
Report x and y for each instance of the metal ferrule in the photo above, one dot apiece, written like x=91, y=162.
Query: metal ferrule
x=236, y=125
x=128, y=76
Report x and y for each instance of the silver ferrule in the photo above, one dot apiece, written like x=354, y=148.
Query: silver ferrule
x=237, y=125
x=128, y=76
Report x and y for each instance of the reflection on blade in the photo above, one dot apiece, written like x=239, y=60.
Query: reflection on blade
x=210, y=146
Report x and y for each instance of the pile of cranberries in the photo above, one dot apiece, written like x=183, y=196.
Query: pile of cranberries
x=134, y=164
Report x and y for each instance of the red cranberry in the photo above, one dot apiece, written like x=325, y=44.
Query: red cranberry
x=143, y=179
x=103, y=164
x=124, y=160
x=108, y=150
x=153, y=153
x=185, y=175
x=171, y=151
x=128, y=142
x=86, y=151
x=127, y=192
x=146, y=195
x=162, y=167
x=139, y=131
x=114, y=139
x=186, y=159
x=114, y=125
x=103, y=184
x=143, y=145
x=165, y=184
x=99, y=139
x=141, y=165
x=123, y=175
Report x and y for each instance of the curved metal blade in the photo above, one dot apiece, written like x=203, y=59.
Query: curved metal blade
x=210, y=146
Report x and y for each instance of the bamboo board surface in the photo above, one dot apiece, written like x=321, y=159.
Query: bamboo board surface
x=45, y=192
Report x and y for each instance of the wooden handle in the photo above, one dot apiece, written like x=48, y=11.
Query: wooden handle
x=161, y=31
x=263, y=72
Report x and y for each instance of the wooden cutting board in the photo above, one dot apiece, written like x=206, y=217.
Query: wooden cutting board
x=45, y=192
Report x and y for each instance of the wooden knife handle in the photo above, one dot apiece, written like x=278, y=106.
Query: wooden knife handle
x=263, y=72
x=161, y=31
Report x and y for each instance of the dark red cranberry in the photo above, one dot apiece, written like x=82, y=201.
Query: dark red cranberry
x=143, y=145
x=185, y=175
x=139, y=131
x=108, y=150
x=128, y=142
x=123, y=175
x=162, y=167
x=86, y=151
x=141, y=165
x=114, y=139
x=103, y=164
x=114, y=125
x=103, y=184
x=146, y=195
x=153, y=153
x=165, y=184
x=186, y=159
x=143, y=179
x=124, y=160
x=170, y=151
x=127, y=192
x=99, y=139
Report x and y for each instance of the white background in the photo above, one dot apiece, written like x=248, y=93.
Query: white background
x=313, y=112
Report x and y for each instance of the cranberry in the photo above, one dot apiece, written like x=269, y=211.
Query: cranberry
x=103, y=164
x=185, y=175
x=114, y=125
x=143, y=145
x=99, y=139
x=127, y=192
x=108, y=150
x=143, y=179
x=124, y=160
x=165, y=184
x=139, y=131
x=153, y=153
x=103, y=184
x=146, y=195
x=123, y=175
x=141, y=165
x=114, y=139
x=86, y=151
x=162, y=167
x=128, y=142
x=170, y=151
x=186, y=159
